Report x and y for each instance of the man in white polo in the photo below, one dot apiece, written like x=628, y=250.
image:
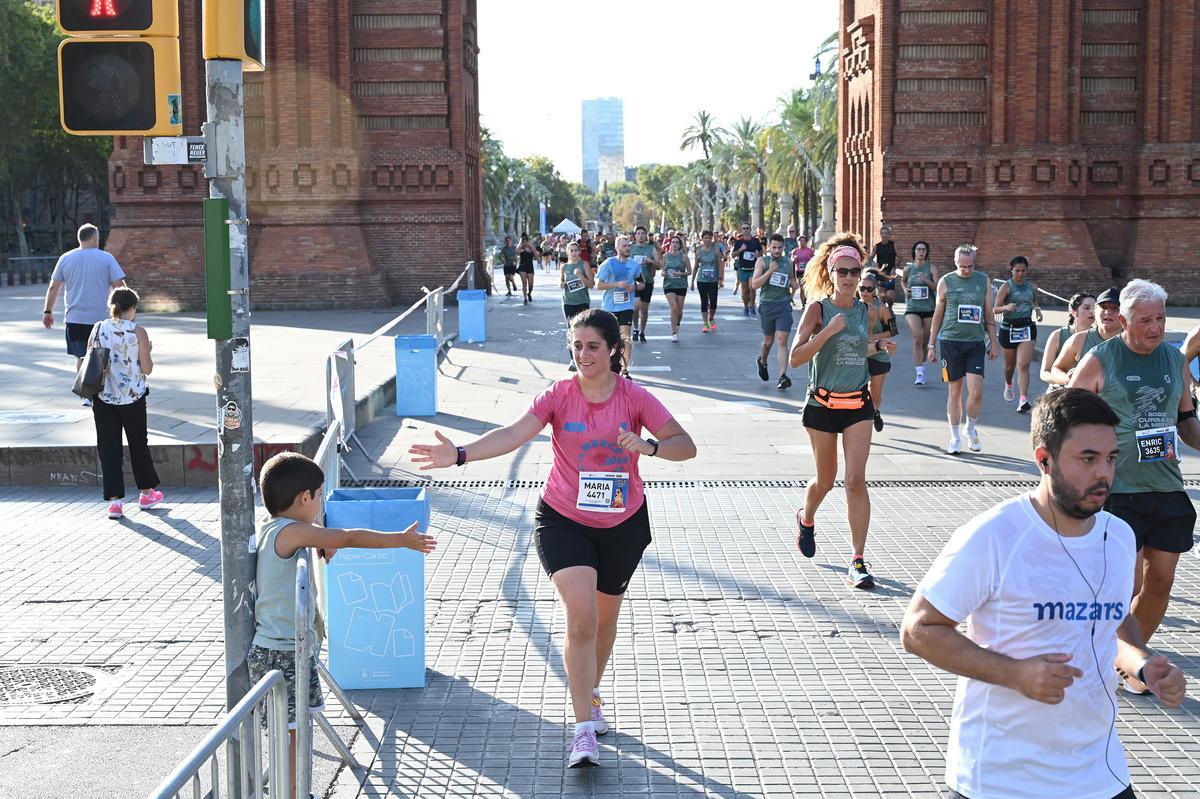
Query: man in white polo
x=89, y=274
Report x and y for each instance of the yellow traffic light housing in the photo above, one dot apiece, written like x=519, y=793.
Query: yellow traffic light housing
x=119, y=17
x=111, y=86
x=233, y=29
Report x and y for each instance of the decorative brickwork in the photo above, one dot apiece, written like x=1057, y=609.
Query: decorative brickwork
x=362, y=144
x=1065, y=131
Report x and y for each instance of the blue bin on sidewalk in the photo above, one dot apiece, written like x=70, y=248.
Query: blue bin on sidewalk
x=472, y=315
x=375, y=598
x=416, y=375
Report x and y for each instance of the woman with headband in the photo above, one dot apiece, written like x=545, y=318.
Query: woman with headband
x=834, y=335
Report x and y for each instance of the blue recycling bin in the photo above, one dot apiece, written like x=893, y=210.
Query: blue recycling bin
x=375, y=598
x=472, y=315
x=416, y=375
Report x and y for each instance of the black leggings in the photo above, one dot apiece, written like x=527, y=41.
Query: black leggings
x=708, y=297
x=110, y=420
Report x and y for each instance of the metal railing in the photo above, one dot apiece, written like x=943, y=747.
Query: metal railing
x=19, y=270
x=238, y=731
x=1000, y=281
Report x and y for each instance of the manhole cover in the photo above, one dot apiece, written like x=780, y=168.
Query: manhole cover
x=40, y=685
x=43, y=417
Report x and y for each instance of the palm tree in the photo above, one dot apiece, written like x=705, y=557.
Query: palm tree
x=702, y=131
x=749, y=159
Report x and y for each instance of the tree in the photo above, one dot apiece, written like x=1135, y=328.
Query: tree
x=702, y=131
x=630, y=211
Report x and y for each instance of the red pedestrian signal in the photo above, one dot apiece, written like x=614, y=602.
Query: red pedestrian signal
x=128, y=17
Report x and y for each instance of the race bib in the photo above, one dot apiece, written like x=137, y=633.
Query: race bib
x=620, y=296
x=1016, y=335
x=970, y=314
x=779, y=279
x=674, y=273
x=1157, y=445
x=918, y=292
x=708, y=274
x=748, y=256
x=639, y=259
x=603, y=492
x=574, y=284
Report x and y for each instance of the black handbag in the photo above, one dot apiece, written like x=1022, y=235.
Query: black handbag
x=90, y=380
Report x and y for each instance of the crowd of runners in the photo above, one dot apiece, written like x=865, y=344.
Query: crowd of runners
x=1106, y=440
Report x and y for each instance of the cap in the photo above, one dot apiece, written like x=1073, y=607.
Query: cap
x=1110, y=295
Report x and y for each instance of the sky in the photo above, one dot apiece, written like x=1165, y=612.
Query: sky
x=536, y=68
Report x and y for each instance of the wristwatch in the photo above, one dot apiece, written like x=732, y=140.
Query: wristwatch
x=654, y=444
x=1141, y=672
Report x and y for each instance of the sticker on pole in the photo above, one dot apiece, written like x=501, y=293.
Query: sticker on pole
x=240, y=357
x=175, y=114
x=231, y=416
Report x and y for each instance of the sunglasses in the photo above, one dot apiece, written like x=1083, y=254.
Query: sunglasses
x=853, y=272
x=868, y=289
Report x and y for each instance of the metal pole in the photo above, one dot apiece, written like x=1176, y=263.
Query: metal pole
x=226, y=169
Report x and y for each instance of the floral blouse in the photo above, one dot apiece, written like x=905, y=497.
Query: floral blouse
x=124, y=384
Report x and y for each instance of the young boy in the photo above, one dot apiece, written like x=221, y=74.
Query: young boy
x=291, y=489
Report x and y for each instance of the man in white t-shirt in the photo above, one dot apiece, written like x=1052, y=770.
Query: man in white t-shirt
x=1044, y=582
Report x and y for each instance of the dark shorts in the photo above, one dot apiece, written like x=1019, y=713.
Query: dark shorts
x=960, y=358
x=1125, y=794
x=1005, y=330
x=644, y=294
x=614, y=552
x=775, y=317
x=744, y=275
x=828, y=420
x=570, y=311
x=1161, y=520
x=624, y=318
x=77, y=338
x=875, y=366
x=261, y=660
x=510, y=270
x=922, y=314
x=528, y=270
x=887, y=285
x=681, y=292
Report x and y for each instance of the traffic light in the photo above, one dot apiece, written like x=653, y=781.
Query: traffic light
x=118, y=73
x=233, y=29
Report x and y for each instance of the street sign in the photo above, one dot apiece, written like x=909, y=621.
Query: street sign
x=160, y=150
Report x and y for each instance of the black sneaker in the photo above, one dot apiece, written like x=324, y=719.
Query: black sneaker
x=1024, y=407
x=860, y=576
x=806, y=540
x=643, y=336
x=785, y=382
x=762, y=369
x=878, y=422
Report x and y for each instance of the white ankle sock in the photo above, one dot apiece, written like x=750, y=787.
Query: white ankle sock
x=970, y=425
x=580, y=726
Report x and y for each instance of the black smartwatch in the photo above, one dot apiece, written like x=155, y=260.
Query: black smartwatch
x=654, y=444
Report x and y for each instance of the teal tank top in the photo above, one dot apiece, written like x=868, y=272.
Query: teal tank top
x=275, y=591
x=920, y=296
x=841, y=365
x=964, y=308
x=706, y=261
x=675, y=271
x=1144, y=391
x=1022, y=295
x=1092, y=341
x=879, y=326
x=576, y=291
x=776, y=289
x=644, y=251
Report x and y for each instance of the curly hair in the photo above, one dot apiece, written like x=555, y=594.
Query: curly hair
x=817, y=283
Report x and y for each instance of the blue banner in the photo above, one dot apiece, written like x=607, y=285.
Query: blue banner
x=542, y=218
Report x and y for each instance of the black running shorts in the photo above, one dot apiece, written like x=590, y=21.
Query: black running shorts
x=960, y=358
x=875, y=366
x=1161, y=520
x=614, y=552
x=624, y=318
x=828, y=420
x=571, y=311
x=1006, y=331
x=646, y=294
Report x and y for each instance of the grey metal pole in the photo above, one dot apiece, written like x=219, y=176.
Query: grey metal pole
x=226, y=170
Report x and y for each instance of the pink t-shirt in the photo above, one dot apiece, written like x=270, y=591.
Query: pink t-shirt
x=585, y=440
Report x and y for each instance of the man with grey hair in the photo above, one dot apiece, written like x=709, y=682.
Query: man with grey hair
x=963, y=326
x=89, y=274
x=1147, y=382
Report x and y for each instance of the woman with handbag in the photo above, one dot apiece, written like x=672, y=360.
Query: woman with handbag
x=121, y=403
x=835, y=334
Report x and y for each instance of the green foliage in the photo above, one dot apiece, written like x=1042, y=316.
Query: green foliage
x=630, y=211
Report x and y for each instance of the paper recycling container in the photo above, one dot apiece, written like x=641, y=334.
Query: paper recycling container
x=375, y=598
x=416, y=375
x=472, y=315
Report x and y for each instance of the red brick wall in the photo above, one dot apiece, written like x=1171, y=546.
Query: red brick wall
x=1064, y=131
x=362, y=161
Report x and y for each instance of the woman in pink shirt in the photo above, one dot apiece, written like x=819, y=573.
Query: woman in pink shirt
x=592, y=523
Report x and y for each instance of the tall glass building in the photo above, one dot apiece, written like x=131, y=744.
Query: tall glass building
x=603, y=141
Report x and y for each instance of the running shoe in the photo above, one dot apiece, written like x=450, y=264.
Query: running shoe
x=920, y=381
x=585, y=752
x=859, y=575
x=973, y=440
x=116, y=510
x=1008, y=393
x=806, y=539
x=745, y=311
x=643, y=336
x=878, y=422
x=148, y=501
x=598, y=722
x=675, y=337
x=635, y=334
x=955, y=446
x=713, y=327
x=784, y=383
x=762, y=369
x=704, y=328
x=753, y=311
x=1024, y=406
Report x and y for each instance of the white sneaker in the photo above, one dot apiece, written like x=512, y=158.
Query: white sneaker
x=585, y=751
x=920, y=381
x=674, y=337
x=973, y=440
x=598, y=722
x=955, y=446
x=1008, y=394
